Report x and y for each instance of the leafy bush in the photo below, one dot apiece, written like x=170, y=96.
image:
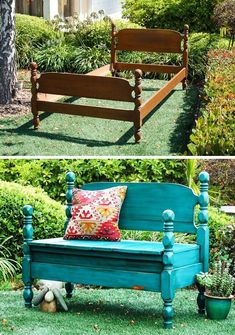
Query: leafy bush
x=171, y=14
x=86, y=59
x=224, y=15
x=98, y=33
x=31, y=32
x=214, y=132
x=50, y=174
x=49, y=216
x=54, y=56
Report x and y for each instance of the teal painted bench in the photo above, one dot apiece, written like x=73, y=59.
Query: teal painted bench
x=151, y=266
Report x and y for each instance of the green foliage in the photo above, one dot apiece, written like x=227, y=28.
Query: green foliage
x=50, y=174
x=220, y=283
x=98, y=33
x=214, y=132
x=86, y=59
x=8, y=266
x=48, y=215
x=224, y=15
x=171, y=14
x=31, y=32
x=54, y=56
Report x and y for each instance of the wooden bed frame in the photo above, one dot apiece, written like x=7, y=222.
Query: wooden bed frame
x=48, y=87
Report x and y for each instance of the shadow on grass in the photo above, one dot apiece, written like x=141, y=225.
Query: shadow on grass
x=180, y=137
x=178, y=140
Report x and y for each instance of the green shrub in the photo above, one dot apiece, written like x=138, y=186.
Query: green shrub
x=86, y=59
x=31, y=32
x=55, y=56
x=48, y=217
x=98, y=33
x=50, y=174
x=171, y=14
x=215, y=128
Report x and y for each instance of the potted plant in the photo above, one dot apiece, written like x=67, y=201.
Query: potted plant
x=219, y=288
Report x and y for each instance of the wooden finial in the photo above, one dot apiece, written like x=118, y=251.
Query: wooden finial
x=138, y=102
x=70, y=179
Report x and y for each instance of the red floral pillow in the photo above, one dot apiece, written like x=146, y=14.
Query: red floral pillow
x=95, y=214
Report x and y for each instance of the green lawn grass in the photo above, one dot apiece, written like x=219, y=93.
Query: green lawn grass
x=111, y=312
x=165, y=130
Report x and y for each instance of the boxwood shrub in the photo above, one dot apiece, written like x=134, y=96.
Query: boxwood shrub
x=48, y=216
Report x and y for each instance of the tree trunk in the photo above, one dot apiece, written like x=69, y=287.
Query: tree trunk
x=7, y=51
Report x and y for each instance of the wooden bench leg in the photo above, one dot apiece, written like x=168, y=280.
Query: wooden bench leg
x=36, y=120
x=167, y=279
x=201, y=299
x=28, y=235
x=69, y=290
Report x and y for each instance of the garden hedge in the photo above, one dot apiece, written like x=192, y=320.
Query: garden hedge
x=215, y=128
x=49, y=215
x=172, y=14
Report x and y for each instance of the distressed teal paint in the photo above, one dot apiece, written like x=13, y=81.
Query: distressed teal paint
x=70, y=178
x=26, y=266
x=203, y=234
x=152, y=266
x=167, y=276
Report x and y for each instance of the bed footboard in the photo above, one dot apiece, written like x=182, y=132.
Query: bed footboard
x=47, y=85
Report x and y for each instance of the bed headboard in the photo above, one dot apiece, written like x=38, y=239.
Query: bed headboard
x=148, y=40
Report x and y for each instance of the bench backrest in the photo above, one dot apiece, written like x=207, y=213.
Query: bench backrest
x=145, y=203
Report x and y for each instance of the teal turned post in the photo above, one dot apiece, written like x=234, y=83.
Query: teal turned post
x=70, y=179
x=167, y=280
x=26, y=267
x=203, y=234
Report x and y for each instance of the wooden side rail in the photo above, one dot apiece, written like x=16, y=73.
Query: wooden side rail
x=148, y=67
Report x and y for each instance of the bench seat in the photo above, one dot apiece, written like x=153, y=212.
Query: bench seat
x=125, y=246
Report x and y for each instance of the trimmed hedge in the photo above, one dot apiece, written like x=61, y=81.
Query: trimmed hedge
x=172, y=14
x=48, y=216
x=215, y=128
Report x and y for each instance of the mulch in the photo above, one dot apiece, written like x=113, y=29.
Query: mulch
x=19, y=106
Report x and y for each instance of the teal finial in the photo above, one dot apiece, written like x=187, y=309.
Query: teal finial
x=70, y=177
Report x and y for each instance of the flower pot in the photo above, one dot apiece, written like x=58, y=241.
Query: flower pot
x=217, y=308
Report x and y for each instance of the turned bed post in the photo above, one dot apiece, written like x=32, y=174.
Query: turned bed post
x=185, y=55
x=138, y=102
x=203, y=235
x=113, y=50
x=167, y=280
x=70, y=179
x=34, y=78
x=26, y=266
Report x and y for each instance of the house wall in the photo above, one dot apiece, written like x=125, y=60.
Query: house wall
x=111, y=7
x=50, y=8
